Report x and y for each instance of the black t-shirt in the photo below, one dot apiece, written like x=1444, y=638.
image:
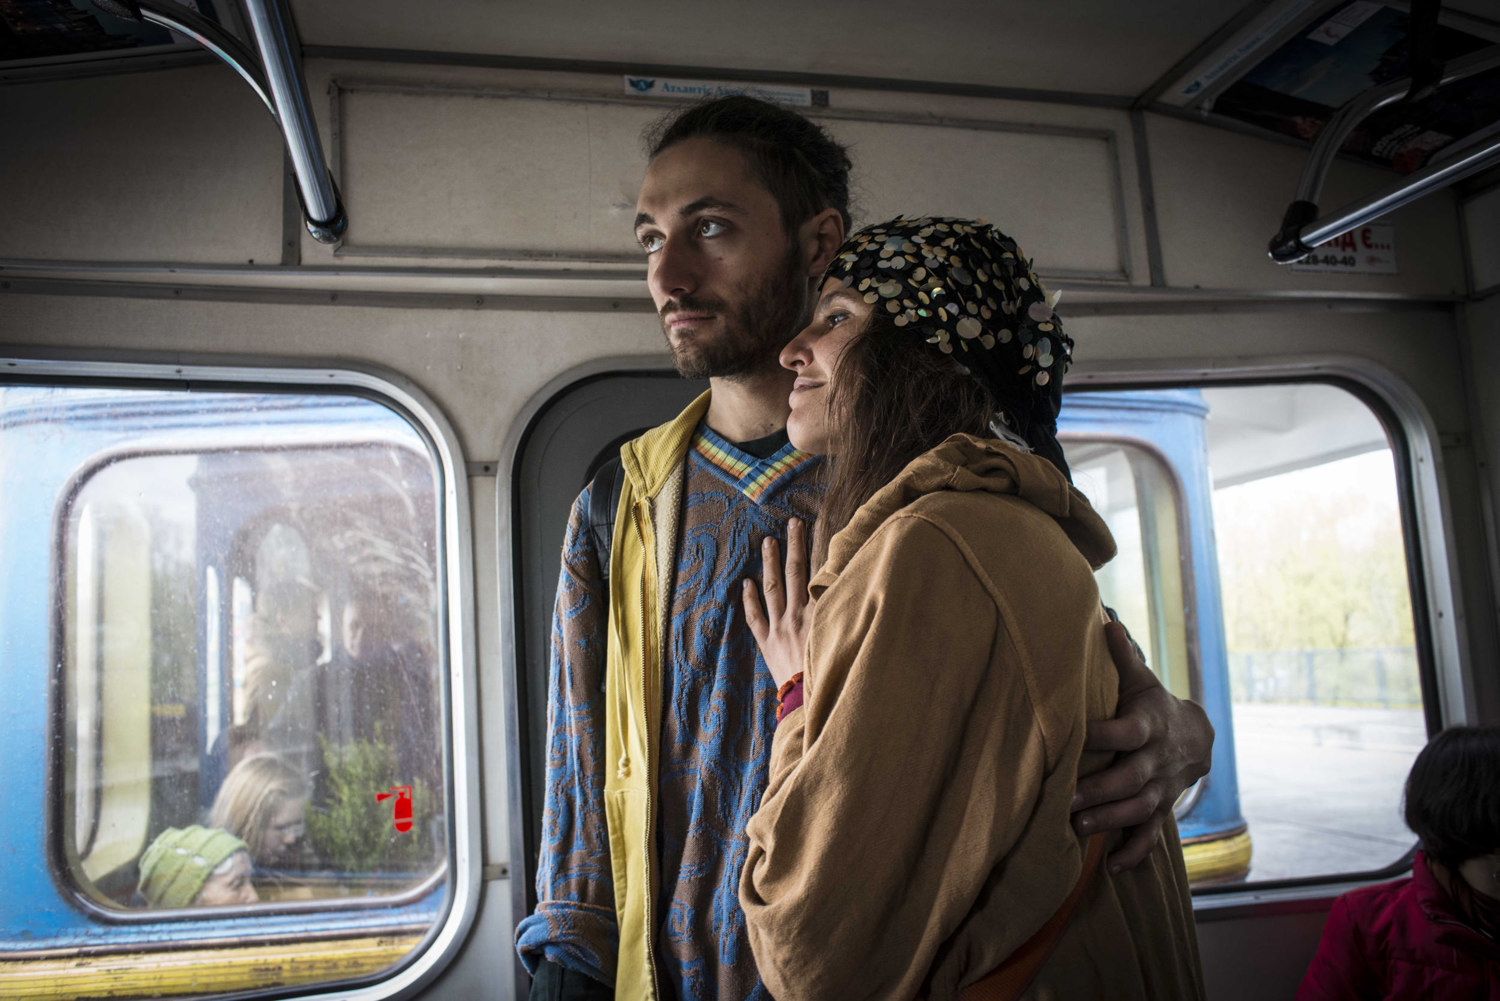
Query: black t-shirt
x=764, y=448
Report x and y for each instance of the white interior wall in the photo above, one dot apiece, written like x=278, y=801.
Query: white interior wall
x=482, y=366
x=1220, y=197
x=1481, y=323
x=488, y=172
x=1482, y=225
x=182, y=165
x=1116, y=48
x=492, y=163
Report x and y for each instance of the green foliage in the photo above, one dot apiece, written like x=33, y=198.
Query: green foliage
x=1312, y=564
x=1317, y=607
x=352, y=831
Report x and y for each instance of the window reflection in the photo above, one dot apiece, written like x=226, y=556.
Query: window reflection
x=263, y=802
x=251, y=655
x=195, y=867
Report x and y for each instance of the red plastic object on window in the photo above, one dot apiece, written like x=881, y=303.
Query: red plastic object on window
x=401, y=809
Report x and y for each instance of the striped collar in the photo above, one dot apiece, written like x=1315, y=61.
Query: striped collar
x=753, y=477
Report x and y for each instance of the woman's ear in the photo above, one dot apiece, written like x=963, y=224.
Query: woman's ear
x=819, y=239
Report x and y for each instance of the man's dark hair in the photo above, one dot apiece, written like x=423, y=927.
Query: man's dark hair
x=1453, y=794
x=797, y=162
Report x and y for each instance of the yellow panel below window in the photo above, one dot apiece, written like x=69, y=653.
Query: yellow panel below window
x=202, y=971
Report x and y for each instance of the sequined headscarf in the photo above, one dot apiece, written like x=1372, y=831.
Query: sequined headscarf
x=966, y=288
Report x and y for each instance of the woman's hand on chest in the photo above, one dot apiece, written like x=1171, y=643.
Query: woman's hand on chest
x=780, y=627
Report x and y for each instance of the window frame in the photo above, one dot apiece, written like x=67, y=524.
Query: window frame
x=456, y=644
x=67, y=869
x=1421, y=498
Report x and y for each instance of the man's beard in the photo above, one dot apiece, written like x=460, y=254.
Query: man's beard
x=753, y=333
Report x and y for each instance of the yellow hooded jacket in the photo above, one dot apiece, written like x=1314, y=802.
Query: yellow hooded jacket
x=642, y=552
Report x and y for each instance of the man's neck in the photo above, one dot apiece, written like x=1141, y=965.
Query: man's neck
x=746, y=407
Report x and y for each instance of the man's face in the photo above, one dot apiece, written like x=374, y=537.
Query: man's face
x=726, y=279
x=365, y=632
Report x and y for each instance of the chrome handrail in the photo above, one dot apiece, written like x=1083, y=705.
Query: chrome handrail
x=1301, y=222
x=215, y=39
x=271, y=25
x=276, y=78
x=1409, y=189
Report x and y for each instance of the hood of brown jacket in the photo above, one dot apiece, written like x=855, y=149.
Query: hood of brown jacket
x=966, y=463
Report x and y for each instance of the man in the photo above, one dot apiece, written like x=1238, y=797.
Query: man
x=660, y=718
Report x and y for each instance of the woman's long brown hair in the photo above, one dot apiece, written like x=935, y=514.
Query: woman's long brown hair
x=894, y=398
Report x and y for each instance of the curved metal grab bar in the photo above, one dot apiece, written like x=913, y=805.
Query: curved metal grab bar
x=1301, y=224
x=213, y=38
x=271, y=26
x=1331, y=139
x=1414, y=186
x=276, y=80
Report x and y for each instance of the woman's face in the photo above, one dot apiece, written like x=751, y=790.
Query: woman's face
x=1483, y=874
x=813, y=354
x=284, y=829
x=229, y=883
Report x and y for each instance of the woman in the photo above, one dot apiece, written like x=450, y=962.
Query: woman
x=915, y=832
x=264, y=801
x=1435, y=934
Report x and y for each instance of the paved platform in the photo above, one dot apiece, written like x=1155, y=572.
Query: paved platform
x=1320, y=786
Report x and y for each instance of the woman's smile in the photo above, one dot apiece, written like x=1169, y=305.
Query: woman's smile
x=803, y=384
x=814, y=355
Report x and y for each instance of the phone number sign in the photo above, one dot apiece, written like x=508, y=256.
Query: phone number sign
x=1369, y=250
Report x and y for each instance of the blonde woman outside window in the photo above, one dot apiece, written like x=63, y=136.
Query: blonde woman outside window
x=263, y=801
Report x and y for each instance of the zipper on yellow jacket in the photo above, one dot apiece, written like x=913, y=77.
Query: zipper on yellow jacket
x=652, y=463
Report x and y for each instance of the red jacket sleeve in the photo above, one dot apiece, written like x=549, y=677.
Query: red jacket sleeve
x=1341, y=970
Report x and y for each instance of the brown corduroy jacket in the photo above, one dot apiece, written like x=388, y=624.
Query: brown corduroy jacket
x=916, y=826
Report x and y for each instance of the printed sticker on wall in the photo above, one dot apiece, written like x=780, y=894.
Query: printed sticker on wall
x=700, y=90
x=1369, y=250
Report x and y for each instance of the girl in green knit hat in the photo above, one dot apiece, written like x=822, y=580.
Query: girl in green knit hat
x=196, y=866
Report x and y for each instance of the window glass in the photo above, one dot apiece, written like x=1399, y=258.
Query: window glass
x=251, y=658
x=1134, y=491
x=1262, y=569
x=1323, y=671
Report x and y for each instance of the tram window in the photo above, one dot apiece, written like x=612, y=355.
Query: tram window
x=248, y=628
x=1322, y=667
x=1262, y=568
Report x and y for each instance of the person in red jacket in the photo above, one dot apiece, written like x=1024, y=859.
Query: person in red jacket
x=1435, y=935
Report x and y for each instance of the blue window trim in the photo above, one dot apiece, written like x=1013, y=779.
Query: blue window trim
x=461, y=872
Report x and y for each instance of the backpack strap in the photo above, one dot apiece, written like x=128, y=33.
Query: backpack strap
x=1009, y=980
x=604, y=500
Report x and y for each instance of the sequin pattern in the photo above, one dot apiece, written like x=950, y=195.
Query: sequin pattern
x=968, y=290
